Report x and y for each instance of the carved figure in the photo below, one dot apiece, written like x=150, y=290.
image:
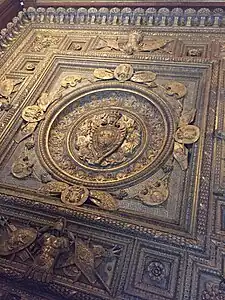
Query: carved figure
x=135, y=43
x=53, y=242
x=75, y=195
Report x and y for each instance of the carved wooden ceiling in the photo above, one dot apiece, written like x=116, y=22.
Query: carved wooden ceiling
x=112, y=154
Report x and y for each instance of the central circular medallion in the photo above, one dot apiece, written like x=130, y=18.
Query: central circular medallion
x=103, y=140
x=110, y=134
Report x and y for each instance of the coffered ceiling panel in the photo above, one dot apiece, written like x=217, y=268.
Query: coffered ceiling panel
x=111, y=157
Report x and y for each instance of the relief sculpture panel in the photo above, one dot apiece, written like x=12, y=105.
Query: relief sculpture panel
x=111, y=157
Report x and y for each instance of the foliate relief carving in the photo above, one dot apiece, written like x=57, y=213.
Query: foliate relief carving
x=195, y=52
x=134, y=44
x=45, y=41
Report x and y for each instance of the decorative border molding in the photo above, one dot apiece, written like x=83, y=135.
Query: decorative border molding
x=162, y=17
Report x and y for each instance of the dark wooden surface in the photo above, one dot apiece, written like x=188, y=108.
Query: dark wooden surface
x=8, y=10
x=130, y=3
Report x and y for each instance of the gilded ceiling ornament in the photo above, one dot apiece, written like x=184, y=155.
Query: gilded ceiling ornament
x=71, y=81
x=54, y=187
x=123, y=72
x=187, y=117
x=86, y=259
x=194, y=52
x=187, y=134
x=25, y=131
x=14, y=240
x=96, y=141
x=54, y=241
x=180, y=153
x=32, y=113
x=42, y=42
x=75, y=195
x=7, y=87
x=106, y=139
x=104, y=74
x=22, y=168
x=30, y=67
x=103, y=200
x=135, y=43
x=47, y=98
x=157, y=192
x=176, y=88
x=143, y=77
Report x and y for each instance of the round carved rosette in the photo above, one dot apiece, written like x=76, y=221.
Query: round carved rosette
x=105, y=135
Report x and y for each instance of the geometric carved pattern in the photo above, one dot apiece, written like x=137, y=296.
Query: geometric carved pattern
x=155, y=273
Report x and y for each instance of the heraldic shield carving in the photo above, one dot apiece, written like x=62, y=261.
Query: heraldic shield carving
x=112, y=154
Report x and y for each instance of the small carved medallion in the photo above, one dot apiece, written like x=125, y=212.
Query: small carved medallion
x=187, y=134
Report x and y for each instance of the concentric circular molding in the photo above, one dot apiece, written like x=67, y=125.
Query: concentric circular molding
x=107, y=135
